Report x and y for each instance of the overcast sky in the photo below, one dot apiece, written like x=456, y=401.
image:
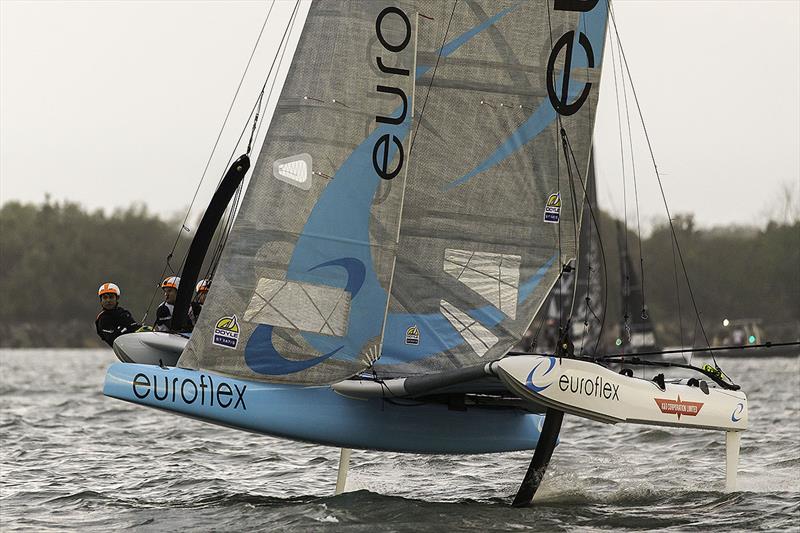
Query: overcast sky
x=111, y=103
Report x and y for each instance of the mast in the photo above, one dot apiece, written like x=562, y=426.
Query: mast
x=202, y=239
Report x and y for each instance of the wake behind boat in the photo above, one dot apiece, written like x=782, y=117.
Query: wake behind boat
x=420, y=191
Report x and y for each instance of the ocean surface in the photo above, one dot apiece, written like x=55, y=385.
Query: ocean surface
x=72, y=459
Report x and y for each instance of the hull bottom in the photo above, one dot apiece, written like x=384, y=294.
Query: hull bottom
x=321, y=416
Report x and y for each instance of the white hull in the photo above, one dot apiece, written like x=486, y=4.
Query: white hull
x=150, y=348
x=592, y=391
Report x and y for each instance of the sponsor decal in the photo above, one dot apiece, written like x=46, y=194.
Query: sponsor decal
x=678, y=407
x=412, y=335
x=539, y=388
x=226, y=332
x=561, y=99
x=294, y=170
x=595, y=388
x=552, y=210
x=383, y=145
x=737, y=413
x=187, y=390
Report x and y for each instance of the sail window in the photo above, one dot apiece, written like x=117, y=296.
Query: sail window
x=294, y=170
x=472, y=331
x=300, y=306
x=493, y=276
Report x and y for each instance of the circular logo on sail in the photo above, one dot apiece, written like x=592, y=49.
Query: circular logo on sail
x=542, y=376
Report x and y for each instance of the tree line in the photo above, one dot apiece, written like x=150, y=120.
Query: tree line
x=53, y=257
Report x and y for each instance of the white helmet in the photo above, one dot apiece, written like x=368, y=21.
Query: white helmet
x=203, y=285
x=171, y=282
x=108, y=288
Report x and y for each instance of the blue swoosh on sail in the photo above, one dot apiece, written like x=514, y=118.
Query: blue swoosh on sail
x=262, y=357
x=341, y=215
x=436, y=333
x=356, y=272
x=593, y=25
x=339, y=225
x=456, y=43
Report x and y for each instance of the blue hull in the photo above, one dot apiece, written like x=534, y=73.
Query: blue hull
x=320, y=415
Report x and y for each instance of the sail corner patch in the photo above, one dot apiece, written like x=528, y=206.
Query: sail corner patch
x=552, y=209
x=226, y=332
x=294, y=170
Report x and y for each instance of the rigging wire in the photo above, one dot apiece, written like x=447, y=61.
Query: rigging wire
x=599, y=240
x=575, y=223
x=433, y=76
x=624, y=267
x=254, y=111
x=282, y=47
x=590, y=267
x=635, y=191
x=556, y=144
x=661, y=188
x=207, y=165
x=677, y=294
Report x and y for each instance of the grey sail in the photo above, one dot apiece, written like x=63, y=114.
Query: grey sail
x=481, y=241
x=368, y=238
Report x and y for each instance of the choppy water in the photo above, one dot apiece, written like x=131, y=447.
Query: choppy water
x=73, y=459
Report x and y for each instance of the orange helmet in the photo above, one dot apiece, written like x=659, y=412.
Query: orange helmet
x=108, y=288
x=171, y=282
x=203, y=285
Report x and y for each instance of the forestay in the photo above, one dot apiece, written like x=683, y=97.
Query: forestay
x=578, y=300
x=489, y=214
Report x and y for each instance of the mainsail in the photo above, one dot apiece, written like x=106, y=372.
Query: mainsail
x=417, y=194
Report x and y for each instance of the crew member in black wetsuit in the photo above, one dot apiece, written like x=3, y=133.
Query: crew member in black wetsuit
x=197, y=304
x=164, y=310
x=113, y=320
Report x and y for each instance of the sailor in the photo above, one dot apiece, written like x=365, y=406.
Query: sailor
x=197, y=304
x=113, y=320
x=164, y=311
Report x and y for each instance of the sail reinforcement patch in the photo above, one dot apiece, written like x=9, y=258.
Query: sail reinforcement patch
x=493, y=276
x=294, y=170
x=476, y=335
x=300, y=306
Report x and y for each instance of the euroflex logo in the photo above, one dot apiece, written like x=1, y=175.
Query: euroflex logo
x=226, y=332
x=540, y=378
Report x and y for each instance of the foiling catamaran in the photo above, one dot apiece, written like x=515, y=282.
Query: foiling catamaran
x=420, y=191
